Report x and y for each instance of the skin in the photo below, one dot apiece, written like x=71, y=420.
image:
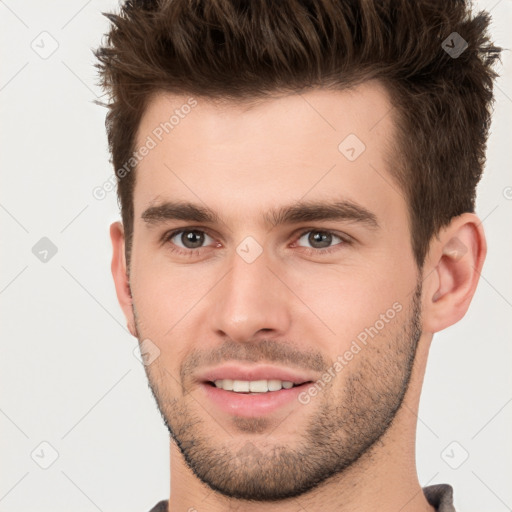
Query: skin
x=352, y=447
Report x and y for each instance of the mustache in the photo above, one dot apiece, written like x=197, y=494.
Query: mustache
x=265, y=350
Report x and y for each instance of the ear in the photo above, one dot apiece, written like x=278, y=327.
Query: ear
x=120, y=275
x=452, y=267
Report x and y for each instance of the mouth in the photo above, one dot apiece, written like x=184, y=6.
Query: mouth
x=253, y=390
x=254, y=387
x=253, y=399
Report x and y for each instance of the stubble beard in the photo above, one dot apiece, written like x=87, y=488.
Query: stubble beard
x=346, y=422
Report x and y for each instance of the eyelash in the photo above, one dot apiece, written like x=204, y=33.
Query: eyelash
x=345, y=240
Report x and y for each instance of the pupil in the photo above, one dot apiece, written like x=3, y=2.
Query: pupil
x=192, y=239
x=320, y=237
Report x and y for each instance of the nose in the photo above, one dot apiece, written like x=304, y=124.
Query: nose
x=251, y=301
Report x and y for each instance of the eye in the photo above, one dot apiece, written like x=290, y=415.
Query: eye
x=191, y=242
x=187, y=240
x=321, y=241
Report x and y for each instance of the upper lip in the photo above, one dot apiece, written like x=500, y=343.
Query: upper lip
x=260, y=372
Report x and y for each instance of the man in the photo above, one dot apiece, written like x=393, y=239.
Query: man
x=297, y=186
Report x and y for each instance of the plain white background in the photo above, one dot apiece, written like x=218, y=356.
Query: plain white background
x=69, y=376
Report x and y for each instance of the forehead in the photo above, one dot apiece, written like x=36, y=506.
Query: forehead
x=243, y=158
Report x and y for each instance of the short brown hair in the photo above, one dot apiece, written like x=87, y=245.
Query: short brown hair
x=248, y=50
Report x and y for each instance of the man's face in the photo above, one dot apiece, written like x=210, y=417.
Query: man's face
x=305, y=299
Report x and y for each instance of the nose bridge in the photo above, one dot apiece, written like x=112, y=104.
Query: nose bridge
x=250, y=298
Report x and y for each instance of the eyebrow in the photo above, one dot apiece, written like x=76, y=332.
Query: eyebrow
x=301, y=211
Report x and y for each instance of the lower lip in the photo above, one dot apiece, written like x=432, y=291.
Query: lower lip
x=251, y=406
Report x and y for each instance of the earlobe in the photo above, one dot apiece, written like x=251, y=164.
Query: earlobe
x=456, y=259
x=120, y=275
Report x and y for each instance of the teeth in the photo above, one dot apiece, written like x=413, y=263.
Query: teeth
x=274, y=385
x=227, y=384
x=253, y=386
x=258, y=386
x=241, y=386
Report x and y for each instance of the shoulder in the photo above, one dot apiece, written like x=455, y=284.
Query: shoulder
x=440, y=496
x=161, y=506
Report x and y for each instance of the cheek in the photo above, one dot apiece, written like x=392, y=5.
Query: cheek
x=154, y=301
x=349, y=303
x=165, y=296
